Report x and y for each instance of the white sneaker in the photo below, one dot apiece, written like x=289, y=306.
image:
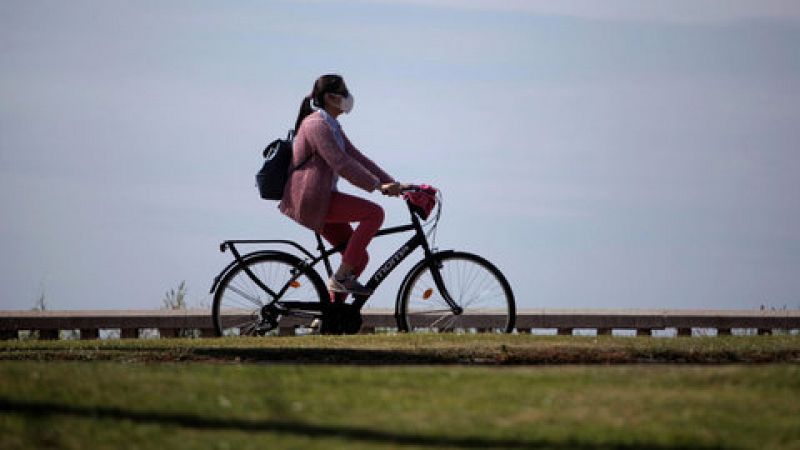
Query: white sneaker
x=349, y=286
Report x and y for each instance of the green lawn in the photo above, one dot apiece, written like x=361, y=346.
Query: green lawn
x=422, y=349
x=134, y=394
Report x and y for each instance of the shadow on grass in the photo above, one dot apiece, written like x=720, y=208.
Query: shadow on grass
x=314, y=355
x=42, y=409
x=490, y=356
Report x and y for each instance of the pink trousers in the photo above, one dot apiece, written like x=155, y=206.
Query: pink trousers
x=343, y=210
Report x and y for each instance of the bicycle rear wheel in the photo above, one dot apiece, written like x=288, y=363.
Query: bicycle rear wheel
x=474, y=284
x=241, y=307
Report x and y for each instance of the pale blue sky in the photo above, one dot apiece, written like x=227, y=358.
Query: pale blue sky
x=636, y=154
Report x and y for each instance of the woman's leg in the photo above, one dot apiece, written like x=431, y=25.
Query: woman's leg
x=337, y=234
x=343, y=210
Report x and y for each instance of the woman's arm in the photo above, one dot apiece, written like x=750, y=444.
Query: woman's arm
x=366, y=162
x=321, y=138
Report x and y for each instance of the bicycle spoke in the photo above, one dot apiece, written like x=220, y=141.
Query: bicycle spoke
x=479, y=293
x=248, y=330
x=240, y=324
x=433, y=324
x=239, y=302
x=433, y=311
x=451, y=322
x=254, y=300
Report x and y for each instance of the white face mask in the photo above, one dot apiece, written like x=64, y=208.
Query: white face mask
x=346, y=103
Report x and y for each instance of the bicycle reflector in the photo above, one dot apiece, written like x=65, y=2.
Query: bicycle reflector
x=295, y=284
x=427, y=294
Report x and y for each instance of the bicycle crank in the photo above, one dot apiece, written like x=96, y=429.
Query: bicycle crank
x=341, y=319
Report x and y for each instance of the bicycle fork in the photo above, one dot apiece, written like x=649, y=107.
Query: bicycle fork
x=435, y=266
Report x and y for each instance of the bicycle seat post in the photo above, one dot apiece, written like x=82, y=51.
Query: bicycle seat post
x=321, y=249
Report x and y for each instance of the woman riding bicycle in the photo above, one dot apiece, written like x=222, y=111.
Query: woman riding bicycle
x=311, y=197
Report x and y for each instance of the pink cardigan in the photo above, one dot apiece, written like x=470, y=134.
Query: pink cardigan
x=308, y=190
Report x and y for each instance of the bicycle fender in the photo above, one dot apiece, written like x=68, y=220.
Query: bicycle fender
x=233, y=263
x=412, y=271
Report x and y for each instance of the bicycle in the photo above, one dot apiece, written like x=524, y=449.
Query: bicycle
x=254, y=291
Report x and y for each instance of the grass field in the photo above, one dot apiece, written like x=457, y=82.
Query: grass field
x=420, y=349
x=250, y=393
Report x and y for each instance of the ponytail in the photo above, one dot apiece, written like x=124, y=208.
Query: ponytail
x=323, y=85
x=305, y=110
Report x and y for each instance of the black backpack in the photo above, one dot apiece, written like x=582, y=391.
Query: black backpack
x=271, y=179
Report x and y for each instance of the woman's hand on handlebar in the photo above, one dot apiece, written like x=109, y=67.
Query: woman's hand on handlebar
x=394, y=189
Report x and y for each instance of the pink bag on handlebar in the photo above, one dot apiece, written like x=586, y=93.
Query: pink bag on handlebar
x=423, y=199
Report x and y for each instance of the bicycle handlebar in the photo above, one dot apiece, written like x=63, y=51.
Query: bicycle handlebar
x=412, y=188
x=409, y=188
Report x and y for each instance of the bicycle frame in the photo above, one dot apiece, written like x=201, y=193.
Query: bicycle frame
x=417, y=240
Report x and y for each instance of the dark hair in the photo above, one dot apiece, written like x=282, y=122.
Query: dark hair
x=324, y=84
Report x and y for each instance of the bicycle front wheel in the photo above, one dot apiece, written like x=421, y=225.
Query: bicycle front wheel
x=242, y=307
x=474, y=284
